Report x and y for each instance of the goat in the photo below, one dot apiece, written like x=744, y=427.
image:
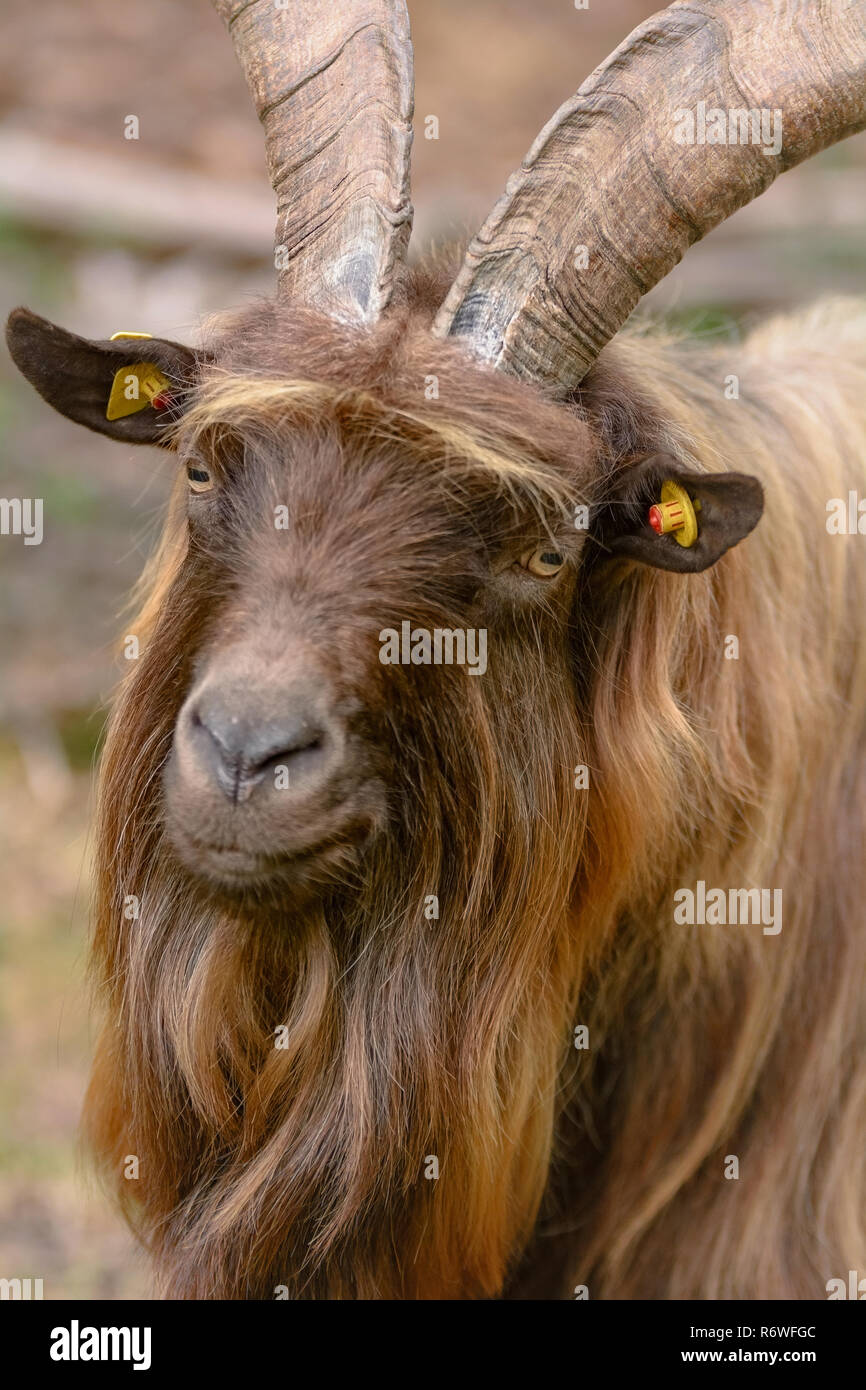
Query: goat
x=402, y=999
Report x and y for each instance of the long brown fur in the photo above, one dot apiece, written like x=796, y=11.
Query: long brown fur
x=303, y=1168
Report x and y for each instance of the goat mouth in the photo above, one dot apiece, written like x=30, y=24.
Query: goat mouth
x=231, y=864
x=236, y=870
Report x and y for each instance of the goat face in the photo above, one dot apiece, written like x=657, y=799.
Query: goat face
x=374, y=620
x=380, y=638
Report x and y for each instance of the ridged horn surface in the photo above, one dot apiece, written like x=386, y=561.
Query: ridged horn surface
x=612, y=193
x=333, y=88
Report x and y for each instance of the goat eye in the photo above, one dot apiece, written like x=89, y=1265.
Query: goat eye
x=542, y=562
x=200, y=479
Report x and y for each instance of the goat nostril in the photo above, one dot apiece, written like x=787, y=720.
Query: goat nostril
x=300, y=754
x=239, y=743
x=305, y=745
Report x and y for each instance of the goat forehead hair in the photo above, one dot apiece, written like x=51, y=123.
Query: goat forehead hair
x=269, y=410
x=275, y=366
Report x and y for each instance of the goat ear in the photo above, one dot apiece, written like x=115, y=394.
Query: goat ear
x=725, y=507
x=130, y=390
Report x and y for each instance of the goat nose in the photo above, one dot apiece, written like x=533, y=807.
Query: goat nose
x=242, y=736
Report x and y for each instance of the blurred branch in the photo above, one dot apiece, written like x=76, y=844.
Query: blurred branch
x=70, y=189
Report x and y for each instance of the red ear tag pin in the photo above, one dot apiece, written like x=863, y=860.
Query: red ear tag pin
x=674, y=515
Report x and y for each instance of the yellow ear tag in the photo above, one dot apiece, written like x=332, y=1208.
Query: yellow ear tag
x=675, y=515
x=133, y=388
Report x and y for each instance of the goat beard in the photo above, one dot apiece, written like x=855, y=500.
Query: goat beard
x=356, y=1099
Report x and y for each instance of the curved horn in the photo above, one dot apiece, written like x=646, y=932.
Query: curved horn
x=332, y=84
x=612, y=194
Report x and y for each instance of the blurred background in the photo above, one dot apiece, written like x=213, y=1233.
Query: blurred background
x=102, y=233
